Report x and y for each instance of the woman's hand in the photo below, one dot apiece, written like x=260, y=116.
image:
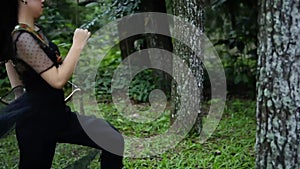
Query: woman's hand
x=80, y=38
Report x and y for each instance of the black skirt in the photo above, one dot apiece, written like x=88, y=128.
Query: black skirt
x=46, y=109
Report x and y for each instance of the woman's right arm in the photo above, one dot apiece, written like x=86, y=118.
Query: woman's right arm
x=57, y=77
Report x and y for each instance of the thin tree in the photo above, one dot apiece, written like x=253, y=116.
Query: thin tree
x=193, y=11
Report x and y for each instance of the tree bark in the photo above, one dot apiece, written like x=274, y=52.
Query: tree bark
x=278, y=94
x=192, y=10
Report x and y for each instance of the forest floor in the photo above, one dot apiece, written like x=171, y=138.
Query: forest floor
x=231, y=145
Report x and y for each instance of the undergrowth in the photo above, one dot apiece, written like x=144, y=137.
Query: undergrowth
x=230, y=146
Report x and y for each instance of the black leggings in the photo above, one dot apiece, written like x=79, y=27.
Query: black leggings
x=37, y=143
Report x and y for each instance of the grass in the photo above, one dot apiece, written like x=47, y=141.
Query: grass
x=231, y=145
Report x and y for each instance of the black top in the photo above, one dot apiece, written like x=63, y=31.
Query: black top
x=41, y=103
x=34, y=54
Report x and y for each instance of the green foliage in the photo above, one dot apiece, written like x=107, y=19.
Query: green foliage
x=231, y=25
x=105, y=75
x=56, y=21
x=106, y=11
x=4, y=82
x=124, y=7
x=140, y=86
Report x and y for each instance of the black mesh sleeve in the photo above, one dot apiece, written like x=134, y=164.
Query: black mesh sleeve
x=29, y=50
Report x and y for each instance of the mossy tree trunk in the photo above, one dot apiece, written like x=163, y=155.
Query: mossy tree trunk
x=278, y=92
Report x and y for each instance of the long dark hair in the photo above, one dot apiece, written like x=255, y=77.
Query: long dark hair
x=8, y=20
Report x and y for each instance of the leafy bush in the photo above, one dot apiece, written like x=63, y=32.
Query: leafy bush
x=232, y=26
x=140, y=86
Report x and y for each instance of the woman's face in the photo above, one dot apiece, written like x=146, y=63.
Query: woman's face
x=35, y=7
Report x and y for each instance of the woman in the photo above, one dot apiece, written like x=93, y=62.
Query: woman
x=43, y=118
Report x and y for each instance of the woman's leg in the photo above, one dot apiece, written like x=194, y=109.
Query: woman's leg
x=36, y=146
x=96, y=133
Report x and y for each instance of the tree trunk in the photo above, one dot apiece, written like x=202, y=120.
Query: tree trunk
x=145, y=41
x=278, y=94
x=192, y=10
x=160, y=42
